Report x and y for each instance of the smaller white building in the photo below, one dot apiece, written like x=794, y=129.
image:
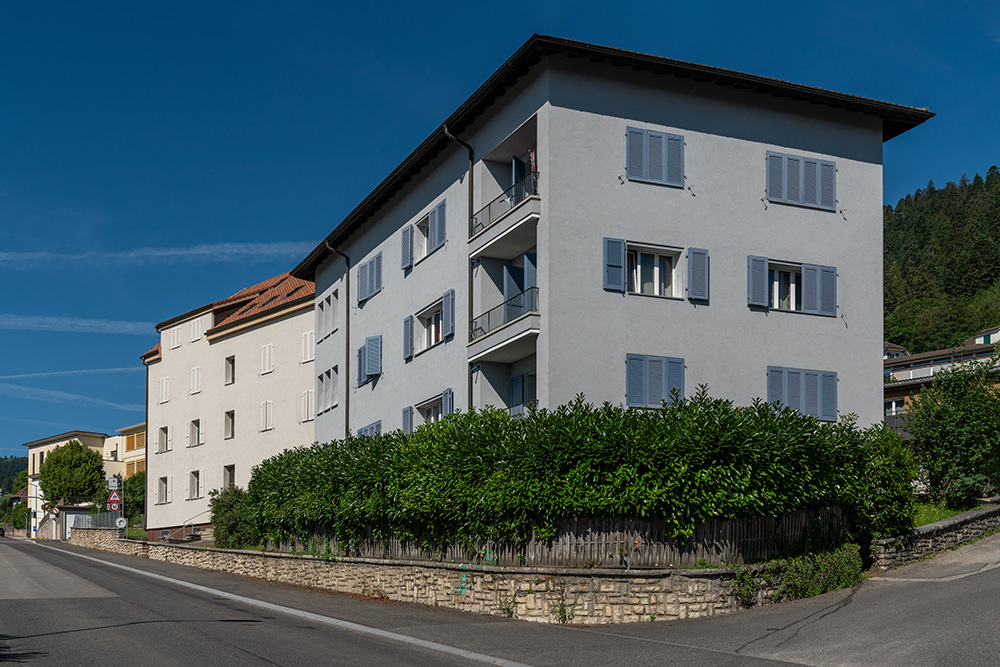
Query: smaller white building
x=229, y=385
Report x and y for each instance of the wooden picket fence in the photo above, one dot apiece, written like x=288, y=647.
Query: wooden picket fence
x=625, y=542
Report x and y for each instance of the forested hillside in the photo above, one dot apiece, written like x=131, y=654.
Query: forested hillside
x=10, y=466
x=942, y=263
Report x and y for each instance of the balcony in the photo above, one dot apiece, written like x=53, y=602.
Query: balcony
x=507, y=332
x=522, y=408
x=509, y=200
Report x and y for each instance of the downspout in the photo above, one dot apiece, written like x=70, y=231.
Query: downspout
x=145, y=453
x=347, y=338
x=452, y=137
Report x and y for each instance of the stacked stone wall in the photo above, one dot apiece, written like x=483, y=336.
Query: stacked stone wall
x=934, y=538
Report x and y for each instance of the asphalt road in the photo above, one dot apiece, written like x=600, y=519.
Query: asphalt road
x=63, y=605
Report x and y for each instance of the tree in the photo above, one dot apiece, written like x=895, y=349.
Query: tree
x=21, y=481
x=956, y=427
x=72, y=472
x=134, y=495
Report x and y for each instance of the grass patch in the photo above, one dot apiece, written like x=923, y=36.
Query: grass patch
x=929, y=513
x=136, y=534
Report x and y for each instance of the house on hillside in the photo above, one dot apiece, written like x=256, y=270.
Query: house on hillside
x=229, y=384
x=599, y=221
x=891, y=350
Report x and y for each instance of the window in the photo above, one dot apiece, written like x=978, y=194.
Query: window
x=308, y=405
x=423, y=237
x=163, y=490
x=195, y=435
x=308, y=346
x=228, y=476
x=129, y=469
x=140, y=440
x=810, y=392
x=140, y=466
x=175, y=338
x=431, y=410
x=408, y=419
x=370, y=278
x=895, y=407
x=433, y=325
x=651, y=380
x=371, y=429
x=230, y=370
x=41, y=460
x=523, y=392
x=195, y=329
x=652, y=271
x=326, y=316
x=369, y=359
x=194, y=485
x=229, y=425
x=266, y=415
x=431, y=413
x=654, y=157
x=164, y=389
x=267, y=359
x=803, y=288
x=196, y=380
x=326, y=390
x=129, y=442
x=793, y=179
x=164, y=441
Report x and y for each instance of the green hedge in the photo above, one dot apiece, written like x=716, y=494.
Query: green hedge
x=485, y=475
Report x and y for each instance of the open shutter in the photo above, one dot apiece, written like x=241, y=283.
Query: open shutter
x=361, y=366
x=810, y=288
x=448, y=314
x=447, y=402
x=407, y=258
x=675, y=378
x=530, y=270
x=441, y=225
x=364, y=280
x=828, y=290
x=655, y=380
x=408, y=337
x=828, y=185
x=757, y=282
x=263, y=415
x=170, y=438
x=304, y=407
x=408, y=419
x=170, y=488
x=656, y=153
x=697, y=274
x=270, y=415
x=373, y=355
x=614, y=264
x=635, y=148
x=828, y=396
x=635, y=380
x=776, y=385
x=775, y=176
x=376, y=275
x=675, y=160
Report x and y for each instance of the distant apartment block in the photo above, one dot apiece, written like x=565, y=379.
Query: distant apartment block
x=229, y=384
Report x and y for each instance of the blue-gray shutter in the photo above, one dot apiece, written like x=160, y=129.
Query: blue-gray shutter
x=635, y=380
x=448, y=314
x=361, y=366
x=776, y=385
x=408, y=337
x=675, y=160
x=793, y=388
x=432, y=230
x=656, y=156
x=828, y=396
x=408, y=419
x=793, y=179
x=828, y=290
x=407, y=244
x=635, y=158
x=810, y=182
x=656, y=381
x=440, y=227
x=363, y=281
x=775, y=176
x=810, y=288
x=810, y=393
x=373, y=355
x=697, y=274
x=377, y=428
x=447, y=402
x=376, y=275
x=530, y=270
x=828, y=185
x=516, y=390
x=757, y=282
x=675, y=377
x=614, y=264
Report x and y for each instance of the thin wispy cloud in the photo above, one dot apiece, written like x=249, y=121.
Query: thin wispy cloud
x=211, y=252
x=56, y=374
x=65, y=398
x=75, y=325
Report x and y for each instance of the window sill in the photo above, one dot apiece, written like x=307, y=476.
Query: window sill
x=678, y=186
x=197, y=444
x=307, y=361
x=267, y=372
x=325, y=410
x=418, y=261
x=656, y=296
x=814, y=207
x=327, y=336
x=195, y=498
x=795, y=312
x=428, y=349
x=229, y=437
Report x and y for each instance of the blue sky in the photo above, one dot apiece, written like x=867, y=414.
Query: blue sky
x=155, y=157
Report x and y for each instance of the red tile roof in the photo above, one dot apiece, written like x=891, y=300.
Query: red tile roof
x=263, y=298
x=155, y=350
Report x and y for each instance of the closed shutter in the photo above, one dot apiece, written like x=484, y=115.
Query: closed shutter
x=675, y=377
x=757, y=282
x=408, y=337
x=675, y=160
x=810, y=288
x=810, y=182
x=656, y=150
x=793, y=388
x=448, y=314
x=408, y=419
x=373, y=355
x=775, y=177
x=635, y=154
x=828, y=185
x=516, y=390
x=655, y=380
x=441, y=225
x=775, y=385
x=364, y=280
x=447, y=402
x=308, y=346
x=828, y=290
x=697, y=274
x=793, y=179
x=635, y=380
x=828, y=396
x=614, y=264
x=407, y=258
x=810, y=393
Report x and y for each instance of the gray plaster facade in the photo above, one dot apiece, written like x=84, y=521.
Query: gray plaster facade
x=568, y=333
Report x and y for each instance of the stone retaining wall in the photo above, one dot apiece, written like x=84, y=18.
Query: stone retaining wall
x=934, y=538
x=546, y=595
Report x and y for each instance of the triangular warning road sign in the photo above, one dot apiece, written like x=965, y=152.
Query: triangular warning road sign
x=114, y=498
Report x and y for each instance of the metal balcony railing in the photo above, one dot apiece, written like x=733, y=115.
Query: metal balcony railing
x=516, y=194
x=511, y=309
x=522, y=408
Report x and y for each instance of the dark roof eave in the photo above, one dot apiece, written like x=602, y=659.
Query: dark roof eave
x=896, y=118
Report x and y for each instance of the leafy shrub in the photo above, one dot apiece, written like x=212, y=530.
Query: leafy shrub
x=485, y=475
x=817, y=573
x=233, y=520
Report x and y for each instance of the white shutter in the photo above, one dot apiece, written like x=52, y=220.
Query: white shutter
x=170, y=488
x=308, y=346
x=201, y=482
x=270, y=415
x=170, y=438
x=263, y=416
x=196, y=379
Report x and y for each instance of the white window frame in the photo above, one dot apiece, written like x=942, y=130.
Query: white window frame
x=229, y=424
x=165, y=389
x=308, y=405
x=430, y=410
x=175, y=338
x=196, y=486
x=775, y=270
x=267, y=358
x=196, y=380
x=429, y=325
x=266, y=416
x=164, y=439
x=230, y=372
x=633, y=269
x=196, y=329
x=164, y=490
x=195, y=434
x=894, y=407
x=229, y=476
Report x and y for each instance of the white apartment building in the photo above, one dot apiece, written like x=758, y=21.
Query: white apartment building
x=602, y=222
x=229, y=384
